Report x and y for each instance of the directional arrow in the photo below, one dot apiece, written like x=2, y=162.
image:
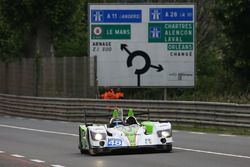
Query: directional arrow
x=159, y=67
x=124, y=47
x=147, y=65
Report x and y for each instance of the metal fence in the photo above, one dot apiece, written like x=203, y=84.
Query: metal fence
x=97, y=110
x=51, y=77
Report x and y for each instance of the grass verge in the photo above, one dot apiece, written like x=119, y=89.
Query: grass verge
x=219, y=130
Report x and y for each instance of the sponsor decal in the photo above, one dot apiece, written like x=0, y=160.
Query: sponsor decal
x=131, y=133
x=114, y=142
x=148, y=141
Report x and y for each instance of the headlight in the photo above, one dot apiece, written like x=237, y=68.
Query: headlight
x=165, y=133
x=98, y=136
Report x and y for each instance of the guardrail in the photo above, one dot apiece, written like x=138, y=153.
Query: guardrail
x=97, y=110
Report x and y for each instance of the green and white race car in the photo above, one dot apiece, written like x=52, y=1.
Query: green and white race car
x=125, y=134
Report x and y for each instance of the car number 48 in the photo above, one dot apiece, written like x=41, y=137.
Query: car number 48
x=114, y=142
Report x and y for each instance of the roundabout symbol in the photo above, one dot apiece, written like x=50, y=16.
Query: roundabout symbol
x=147, y=65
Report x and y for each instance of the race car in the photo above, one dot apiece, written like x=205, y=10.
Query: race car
x=121, y=134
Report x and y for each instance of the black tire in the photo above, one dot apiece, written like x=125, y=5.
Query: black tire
x=80, y=142
x=92, y=152
x=169, y=148
x=83, y=151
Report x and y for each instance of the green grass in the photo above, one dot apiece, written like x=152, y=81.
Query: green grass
x=219, y=130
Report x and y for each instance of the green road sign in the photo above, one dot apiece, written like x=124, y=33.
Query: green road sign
x=180, y=46
x=100, y=31
x=170, y=32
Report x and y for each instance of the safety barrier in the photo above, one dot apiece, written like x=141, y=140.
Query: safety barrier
x=97, y=110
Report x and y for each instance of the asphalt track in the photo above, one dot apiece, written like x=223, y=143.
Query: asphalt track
x=43, y=143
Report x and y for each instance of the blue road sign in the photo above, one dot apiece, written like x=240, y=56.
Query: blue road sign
x=171, y=14
x=116, y=16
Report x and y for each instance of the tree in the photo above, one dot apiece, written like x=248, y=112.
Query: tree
x=10, y=42
x=75, y=44
x=41, y=22
x=234, y=19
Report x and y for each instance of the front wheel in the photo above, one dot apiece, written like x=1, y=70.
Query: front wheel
x=169, y=148
x=83, y=151
x=97, y=151
x=92, y=152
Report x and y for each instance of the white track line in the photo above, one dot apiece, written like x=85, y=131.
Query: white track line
x=33, y=119
x=37, y=130
x=57, y=166
x=45, y=120
x=226, y=135
x=75, y=135
x=33, y=160
x=198, y=133
x=211, y=152
x=37, y=160
x=63, y=122
x=17, y=155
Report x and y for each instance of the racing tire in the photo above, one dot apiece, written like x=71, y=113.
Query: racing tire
x=83, y=151
x=93, y=152
x=169, y=148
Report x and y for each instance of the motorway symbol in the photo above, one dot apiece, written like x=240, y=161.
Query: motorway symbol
x=155, y=14
x=97, y=15
x=147, y=65
x=155, y=32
